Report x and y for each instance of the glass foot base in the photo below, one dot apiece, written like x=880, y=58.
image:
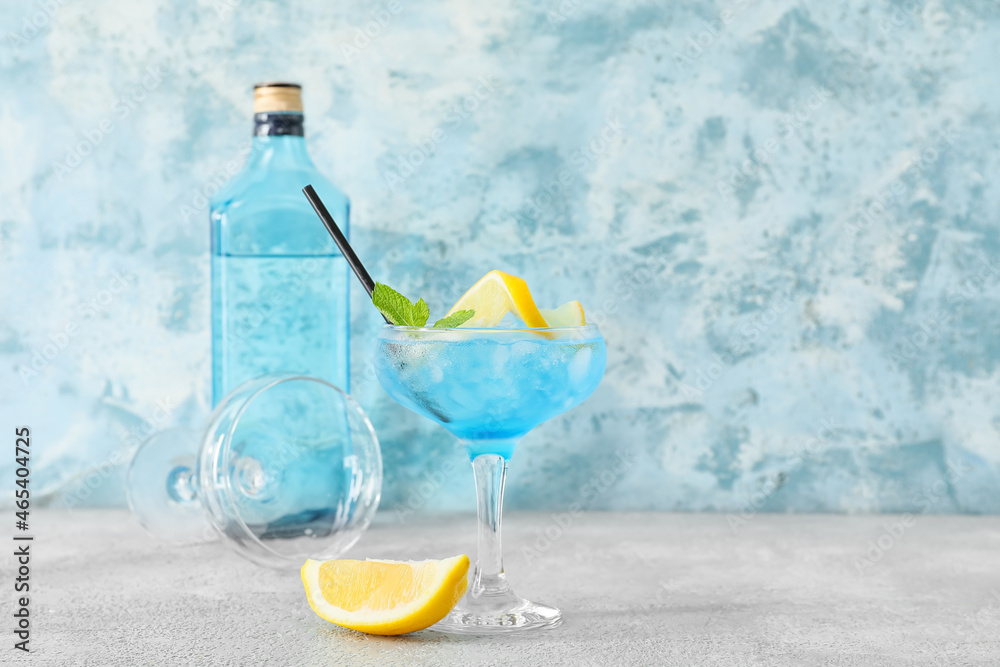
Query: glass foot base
x=524, y=616
x=162, y=490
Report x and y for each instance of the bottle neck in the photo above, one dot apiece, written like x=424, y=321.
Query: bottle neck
x=279, y=141
x=279, y=124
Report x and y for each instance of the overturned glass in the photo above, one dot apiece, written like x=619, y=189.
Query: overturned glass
x=288, y=468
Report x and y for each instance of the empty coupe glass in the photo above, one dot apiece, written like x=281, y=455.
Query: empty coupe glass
x=288, y=468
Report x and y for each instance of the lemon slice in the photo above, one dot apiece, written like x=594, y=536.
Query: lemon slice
x=384, y=597
x=496, y=294
x=567, y=315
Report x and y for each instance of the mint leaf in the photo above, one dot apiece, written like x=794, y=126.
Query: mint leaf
x=393, y=305
x=419, y=313
x=457, y=318
x=404, y=313
x=400, y=310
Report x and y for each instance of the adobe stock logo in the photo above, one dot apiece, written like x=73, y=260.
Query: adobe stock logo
x=562, y=522
x=582, y=158
x=121, y=109
x=758, y=157
x=369, y=32
x=201, y=195
x=560, y=14
x=57, y=342
x=31, y=26
x=876, y=208
x=750, y=332
x=406, y=164
x=699, y=42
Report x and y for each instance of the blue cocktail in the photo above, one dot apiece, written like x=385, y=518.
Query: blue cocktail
x=489, y=387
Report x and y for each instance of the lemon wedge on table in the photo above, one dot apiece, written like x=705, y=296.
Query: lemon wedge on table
x=384, y=597
x=496, y=294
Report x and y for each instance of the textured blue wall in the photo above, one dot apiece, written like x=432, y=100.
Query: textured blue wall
x=782, y=214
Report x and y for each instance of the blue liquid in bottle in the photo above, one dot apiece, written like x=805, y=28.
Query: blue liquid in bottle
x=279, y=283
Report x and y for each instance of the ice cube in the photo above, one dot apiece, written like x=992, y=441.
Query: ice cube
x=579, y=367
x=436, y=374
x=501, y=355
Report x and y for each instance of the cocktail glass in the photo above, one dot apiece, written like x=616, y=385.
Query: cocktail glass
x=489, y=387
x=287, y=468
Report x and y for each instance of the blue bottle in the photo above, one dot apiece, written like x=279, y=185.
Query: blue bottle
x=279, y=284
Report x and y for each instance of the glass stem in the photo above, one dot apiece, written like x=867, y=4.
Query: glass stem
x=489, y=583
x=182, y=485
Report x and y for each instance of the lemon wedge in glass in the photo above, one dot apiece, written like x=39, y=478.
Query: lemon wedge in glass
x=383, y=597
x=567, y=315
x=496, y=294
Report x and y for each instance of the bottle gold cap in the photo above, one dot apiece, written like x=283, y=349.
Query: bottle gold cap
x=274, y=97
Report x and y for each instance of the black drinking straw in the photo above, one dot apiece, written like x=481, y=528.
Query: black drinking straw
x=341, y=241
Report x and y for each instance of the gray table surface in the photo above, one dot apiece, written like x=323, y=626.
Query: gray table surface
x=636, y=589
